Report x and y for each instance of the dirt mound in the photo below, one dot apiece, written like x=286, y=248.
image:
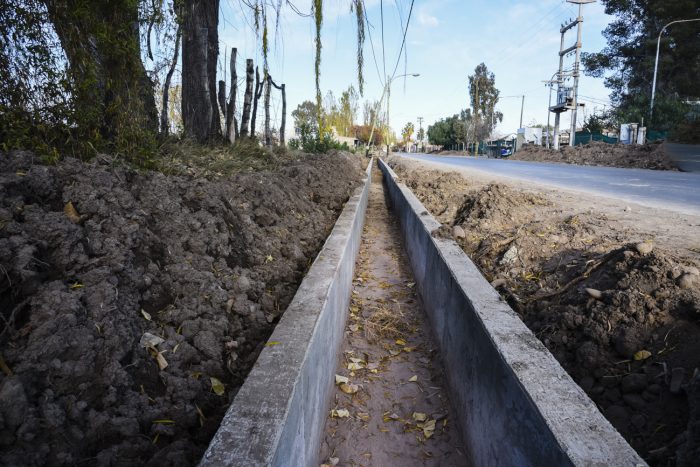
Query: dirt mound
x=107, y=273
x=647, y=156
x=620, y=314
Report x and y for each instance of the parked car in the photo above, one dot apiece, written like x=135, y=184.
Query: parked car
x=507, y=151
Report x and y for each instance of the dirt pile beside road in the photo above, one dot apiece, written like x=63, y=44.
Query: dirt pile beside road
x=621, y=314
x=133, y=304
x=647, y=156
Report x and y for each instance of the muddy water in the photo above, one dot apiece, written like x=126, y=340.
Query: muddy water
x=397, y=408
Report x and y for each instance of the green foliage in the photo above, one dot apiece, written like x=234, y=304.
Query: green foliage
x=483, y=99
x=72, y=81
x=407, y=132
x=360, y=15
x=627, y=62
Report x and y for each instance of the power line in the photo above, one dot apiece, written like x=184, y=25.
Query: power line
x=381, y=10
x=371, y=42
x=403, y=42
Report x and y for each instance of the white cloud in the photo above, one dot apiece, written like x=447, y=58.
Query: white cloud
x=427, y=20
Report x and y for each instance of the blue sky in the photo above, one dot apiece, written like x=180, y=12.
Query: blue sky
x=447, y=39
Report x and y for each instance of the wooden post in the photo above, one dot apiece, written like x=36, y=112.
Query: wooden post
x=245, y=117
x=282, y=88
x=231, y=127
x=266, y=103
x=258, y=93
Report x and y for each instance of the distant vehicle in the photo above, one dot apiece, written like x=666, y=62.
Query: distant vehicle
x=507, y=151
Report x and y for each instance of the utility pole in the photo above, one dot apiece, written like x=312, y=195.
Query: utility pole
x=476, y=117
x=420, y=132
x=522, y=106
x=567, y=98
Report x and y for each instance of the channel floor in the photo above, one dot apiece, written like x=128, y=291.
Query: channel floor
x=390, y=405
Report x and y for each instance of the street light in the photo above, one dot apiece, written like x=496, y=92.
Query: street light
x=387, y=93
x=656, y=63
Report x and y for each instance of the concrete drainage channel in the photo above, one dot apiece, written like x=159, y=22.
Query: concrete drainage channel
x=516, y=405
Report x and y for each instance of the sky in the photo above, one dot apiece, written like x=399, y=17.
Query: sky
x=445, y=41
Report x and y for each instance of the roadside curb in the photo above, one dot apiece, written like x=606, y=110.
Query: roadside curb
x=278, y=415
x=515, y=404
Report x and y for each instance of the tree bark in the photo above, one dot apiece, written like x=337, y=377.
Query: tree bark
x=282, y=88
x=110, y=86
x=245, y=118
x=258, y=93
x=231, y=128
x=221, y=96
x=200, y=50
x=268, y=134
x=164, y=124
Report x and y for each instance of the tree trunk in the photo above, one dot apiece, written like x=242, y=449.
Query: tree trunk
x=164, y=124
x=221, y=97
x=245, y=118
x=268, y=134
x=200, y=50
x=256, y=98
x=284, y=110
x=109, y=82
x=231, y=127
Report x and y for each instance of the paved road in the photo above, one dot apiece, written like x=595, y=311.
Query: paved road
x=675, y=191
x=687, y=156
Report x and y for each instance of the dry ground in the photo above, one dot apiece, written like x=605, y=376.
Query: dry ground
x=611, y=289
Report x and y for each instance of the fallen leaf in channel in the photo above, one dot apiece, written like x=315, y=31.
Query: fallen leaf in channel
x=340, y=413
x=413, y=378
x=217, y=386
x=642, y=355
x=349, y=388
x=341, y=379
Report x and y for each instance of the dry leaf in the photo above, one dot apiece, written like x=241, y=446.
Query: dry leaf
x=340, y=413
x=363, y=416
x=349, y=388
x=419, y=416
x=400, y=342
x=341, y=379
x=71, y=213
x=413, y=378
x=3, y=366
x=356, y=360
x=428, y=428
x=271, y=343
x=217, y=386
x=642, y=355
x=352, y=366
x=150, y=340
x=146, y=314
x=411, y=285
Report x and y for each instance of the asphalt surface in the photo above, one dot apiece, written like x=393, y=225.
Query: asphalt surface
x=674, y=191
x=687, y=156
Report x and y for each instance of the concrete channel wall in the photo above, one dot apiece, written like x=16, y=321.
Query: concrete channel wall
x=278, y=415
x=514, y=403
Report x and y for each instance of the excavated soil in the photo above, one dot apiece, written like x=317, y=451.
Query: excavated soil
x=620, y=313
x=143, y=270
x=647, y=156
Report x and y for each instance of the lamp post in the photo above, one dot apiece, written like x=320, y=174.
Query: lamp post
x=656, y=63
x=385, y=92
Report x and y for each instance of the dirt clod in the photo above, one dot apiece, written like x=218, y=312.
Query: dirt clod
x=620, y=315
x=647, y=156
x=115, y=326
